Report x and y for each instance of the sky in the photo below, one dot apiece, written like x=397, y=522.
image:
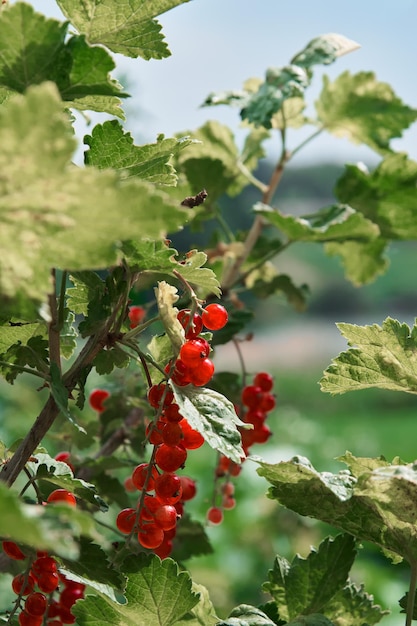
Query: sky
x=217, y=44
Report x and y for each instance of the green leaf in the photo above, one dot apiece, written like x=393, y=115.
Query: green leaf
x=324, y=50
x=125, y=28
x=363, y=262
x=363, y=110
x=87, y=285
x=33, y=49
x=354, y=607
x=60, y=475
x=149, y=256
x=385, y=357
x=238, y=319
x=336, y=222
x=280, y=84
x=60, y=395
x=214, y=417
x=17, y=333
x=212, y=164
x=246, y=615
x=311, y=620
x=361, y=465
x=387, y=196
x=33, y=353
x=201, y=277
x=60, y=203
x=291, y=114
x=157, y=595
x=107, y=360
x=111, y=147
x=190, y=540
x=68, y=334
x=51, y=528
x=380, y=506
x=307, y=585
x=93, y=568
x=403, y=604
x=203, y=613
x=296, y=296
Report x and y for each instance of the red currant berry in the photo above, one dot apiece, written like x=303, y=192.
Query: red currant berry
x=166, y=517
x=170, y=458
x=192, y=327
x=228, y=489
x=261, y=435
x=48, y=582
x=125, y=520
x=203, y=373
x=136, y=314
x=172, y=433
x=140, y=475
x=25, y=619
x=267, y=403
x=154, y=432
x=251, y=396
x=214, y=316
x=168, y=488
x=194, y=351
x=181, y=373
x=172, y=413
x=23, y=585
x=13, y=551
x=69, y=596
x=36, y=604
x=62, y=495
x=150, y=536
x=97, y=399
x=157, y=392
x=228, y=502
x=189, y=488
x=128, y=485
x=44, y=565
x=264, y=381
x=215, y=515
x=192, y=439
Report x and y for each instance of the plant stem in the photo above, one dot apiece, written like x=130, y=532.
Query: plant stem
x=306, y=141
x=411, y=593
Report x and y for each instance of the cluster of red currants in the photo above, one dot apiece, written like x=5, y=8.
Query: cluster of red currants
x=41, y=580
x=255, y=403
x=163, y=492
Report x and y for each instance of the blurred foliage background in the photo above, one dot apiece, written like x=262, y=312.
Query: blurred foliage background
x=295, y=348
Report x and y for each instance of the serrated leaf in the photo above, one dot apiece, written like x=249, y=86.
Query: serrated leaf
x=361, y=465
x=214, y=417
x=212, y=164
x=60, y=203
x=149, y=256
x=363, y=110
x=380, y=506
x=111, y=147
x=324, y=49
x=93, y=568
x=290, y=115
x=157, y=595
x=296, y=296
x=403, y=604
x=363, y=261
x=59, y=474
x=107, y=360
x=34, y=49
x=338, y=221
x=125, y=28
x=203, y=614
x=352, y=606
x=246, y=615
x=307, y=585
x=29, y=350
x=387, y=196
x=385, y=357
x=280, y=84
x=201, y=277
x=86, y=286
